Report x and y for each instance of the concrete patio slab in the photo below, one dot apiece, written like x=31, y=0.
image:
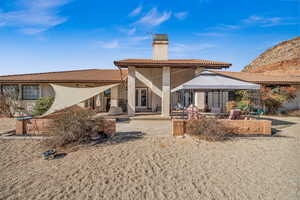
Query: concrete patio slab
x=148, y=127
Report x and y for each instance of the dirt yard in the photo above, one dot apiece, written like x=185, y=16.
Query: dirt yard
x=134, y=166
x=7, y=125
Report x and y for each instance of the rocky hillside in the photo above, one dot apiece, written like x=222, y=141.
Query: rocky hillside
x=282, y=58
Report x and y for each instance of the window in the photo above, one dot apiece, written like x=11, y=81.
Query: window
x=10, y=90
x=30, y=92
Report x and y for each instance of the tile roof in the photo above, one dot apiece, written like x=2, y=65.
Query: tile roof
x=88, y=75
x=171, y=63
x=262, y=78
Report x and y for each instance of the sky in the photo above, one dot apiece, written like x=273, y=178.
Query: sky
x=58, y=35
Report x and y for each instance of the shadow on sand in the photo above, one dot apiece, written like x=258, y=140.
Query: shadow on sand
x=277, y=122
x=121, y=137
x=257, y=136
x=278, y=125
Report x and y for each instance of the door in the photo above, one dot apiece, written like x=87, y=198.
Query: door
x=141, y=97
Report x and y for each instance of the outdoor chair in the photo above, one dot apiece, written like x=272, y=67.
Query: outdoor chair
x=193, y=112
x=258, y=112
x=235, y=114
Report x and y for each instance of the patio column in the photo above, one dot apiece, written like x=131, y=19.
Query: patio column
x=199, y=95
x=114, y=95
x=131, y=91
x=166, y=91
x=200, y=99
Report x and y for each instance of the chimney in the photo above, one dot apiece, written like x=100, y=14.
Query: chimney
x=160, y=47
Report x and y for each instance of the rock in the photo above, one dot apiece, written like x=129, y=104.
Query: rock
x=284, y=56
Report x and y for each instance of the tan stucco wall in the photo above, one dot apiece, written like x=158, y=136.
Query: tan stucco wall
x=178, y=76
x=295, y=104
x=46, y=91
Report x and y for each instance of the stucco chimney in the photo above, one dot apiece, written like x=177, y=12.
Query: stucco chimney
x=160, y=47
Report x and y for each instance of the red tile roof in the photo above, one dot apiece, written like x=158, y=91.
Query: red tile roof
x=261, y=78
x=88, y=75
x=171, y=63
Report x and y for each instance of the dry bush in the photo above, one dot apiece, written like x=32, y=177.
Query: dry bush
x=74, y=127
x=209, y=129
x=8, y=105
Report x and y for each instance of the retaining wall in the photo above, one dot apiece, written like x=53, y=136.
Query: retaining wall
x=240, y=127
x=42, y=126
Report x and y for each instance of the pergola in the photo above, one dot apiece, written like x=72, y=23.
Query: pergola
x=216, y=85
x=211, y=81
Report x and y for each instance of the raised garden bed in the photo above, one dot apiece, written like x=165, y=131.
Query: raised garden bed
x=238, y=127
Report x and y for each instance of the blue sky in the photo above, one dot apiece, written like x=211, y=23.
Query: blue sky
x=56, y=35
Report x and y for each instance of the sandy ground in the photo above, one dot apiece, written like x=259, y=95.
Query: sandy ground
x=7, y=125
x=139, y=167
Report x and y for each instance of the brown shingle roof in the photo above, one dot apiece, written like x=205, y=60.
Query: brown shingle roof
x=171, y=63
x=88, y=75
x=261, y=78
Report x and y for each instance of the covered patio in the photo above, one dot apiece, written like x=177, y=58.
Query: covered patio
x=208, y=91
x=150, y=81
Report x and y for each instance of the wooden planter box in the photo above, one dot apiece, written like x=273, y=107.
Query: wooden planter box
x=239, y=127
x=42, y=126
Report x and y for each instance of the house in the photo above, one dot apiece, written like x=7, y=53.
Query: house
x=150, y=81
x=30, y=87
x=145, y=84
x=266, y=79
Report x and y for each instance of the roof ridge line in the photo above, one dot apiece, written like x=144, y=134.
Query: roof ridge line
x=79, y=70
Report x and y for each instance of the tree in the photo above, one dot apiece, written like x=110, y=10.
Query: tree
x=9, y=104
x=42, y=105
x=274, y=97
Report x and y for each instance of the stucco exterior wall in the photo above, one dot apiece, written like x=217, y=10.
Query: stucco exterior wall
x=46, y=90
x=295, y=104
x=154, y=75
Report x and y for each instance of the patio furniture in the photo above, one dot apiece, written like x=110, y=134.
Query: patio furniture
x=193, y=112
x=235, y=114
x=258, y=112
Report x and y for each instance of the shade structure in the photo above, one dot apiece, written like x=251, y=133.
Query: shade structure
x=66, y=97
x=212, y=81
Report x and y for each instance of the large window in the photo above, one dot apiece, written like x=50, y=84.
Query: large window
x=30, y=92
x=10, y=90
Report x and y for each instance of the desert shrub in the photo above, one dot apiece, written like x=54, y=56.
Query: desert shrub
x=9, y=105
x=208, y=129
x=74, y=127
x=230, y=105
x=244, y=106
x=42, y=105
x=243, y=95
